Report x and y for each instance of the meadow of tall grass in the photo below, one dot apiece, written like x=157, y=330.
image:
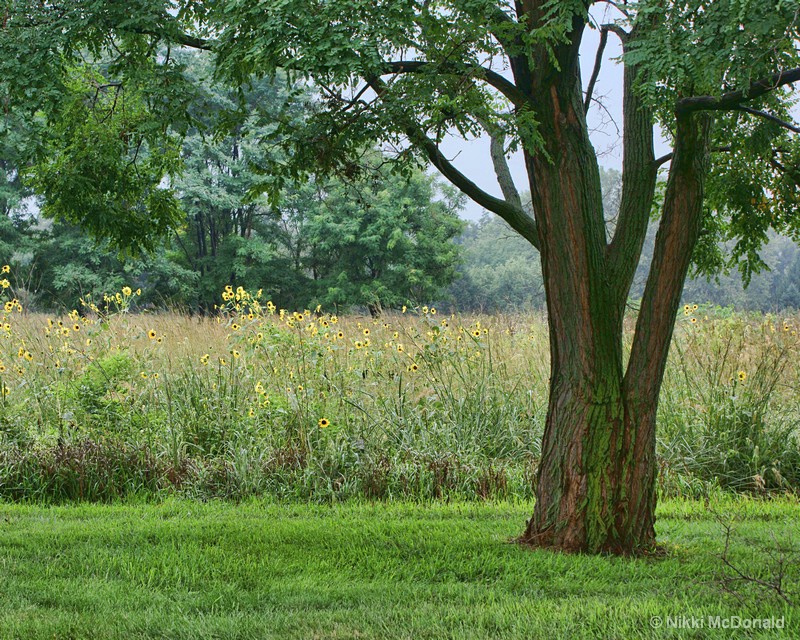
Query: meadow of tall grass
x=103, y=403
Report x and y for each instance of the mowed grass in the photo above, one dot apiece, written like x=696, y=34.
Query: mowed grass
x=185, y=569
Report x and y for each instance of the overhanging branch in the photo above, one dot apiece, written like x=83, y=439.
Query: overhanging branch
x=515, y=216
x=178, y=37
x=734, y=99
x=667, y=157
x=502, y=84
x=519, y=220
x=768, y=116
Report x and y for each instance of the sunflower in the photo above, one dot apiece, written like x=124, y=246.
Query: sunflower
x=742, y=376
x=323, y=423
x=151, y=334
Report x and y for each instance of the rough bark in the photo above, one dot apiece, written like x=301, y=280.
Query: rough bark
x=596, y=488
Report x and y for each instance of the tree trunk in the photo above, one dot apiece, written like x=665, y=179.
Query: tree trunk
x=596, y=482
x=596, y=489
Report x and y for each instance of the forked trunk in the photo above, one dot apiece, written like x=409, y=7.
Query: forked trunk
x=596, y=488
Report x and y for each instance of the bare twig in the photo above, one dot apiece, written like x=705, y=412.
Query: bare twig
x=780, y=561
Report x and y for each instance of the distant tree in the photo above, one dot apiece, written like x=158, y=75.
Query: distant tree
x=785, y=289
x=374, y=239
x=219, y=158
x=14, y=143
x=498, y=271
x=64, y=264
x=381, y=241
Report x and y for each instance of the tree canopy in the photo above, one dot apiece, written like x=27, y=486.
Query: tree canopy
x=373, y=240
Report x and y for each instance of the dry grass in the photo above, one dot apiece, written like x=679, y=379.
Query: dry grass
x=415, y=404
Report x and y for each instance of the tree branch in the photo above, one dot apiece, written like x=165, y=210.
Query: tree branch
x=667, y=157
x=502, y=84
x=178, y=37
x=598, y=62
x=678, y=231
x=638, y=181
x=734, y=99
x=519, y=220
x=771, y=118
x=618, y=31
x=194, y=43
x=501, y=169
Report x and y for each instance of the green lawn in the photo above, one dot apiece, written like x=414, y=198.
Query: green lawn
x=217, y=570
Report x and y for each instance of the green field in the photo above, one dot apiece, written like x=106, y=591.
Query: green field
x=185, y=569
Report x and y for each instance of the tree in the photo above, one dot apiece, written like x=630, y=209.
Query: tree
x=712, y=73
x=371, y=240
x=379, y=242
x=499, y=269
x=220, y=241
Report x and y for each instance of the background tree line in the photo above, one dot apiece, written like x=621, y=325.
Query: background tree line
x=374, y=240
